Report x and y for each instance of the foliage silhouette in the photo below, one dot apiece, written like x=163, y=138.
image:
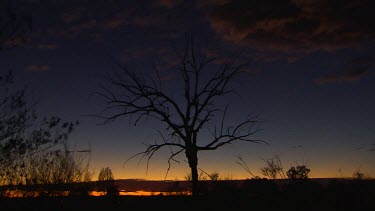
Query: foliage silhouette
x=358, y=175
x=23, y=133
x=300, y=172
x=58, y=166
x=105, y=174
x=25, y=138
x=204, y=80
x=107, y=182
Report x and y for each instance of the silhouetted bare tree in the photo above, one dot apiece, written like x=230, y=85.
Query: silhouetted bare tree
x=273, y=168
x=203, y=81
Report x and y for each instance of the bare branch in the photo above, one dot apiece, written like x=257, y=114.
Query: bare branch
x=236, y=134
x=243, y=164
x=171, y=158
x=152, y=149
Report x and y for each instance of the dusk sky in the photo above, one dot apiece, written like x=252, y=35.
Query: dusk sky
x=312, y=81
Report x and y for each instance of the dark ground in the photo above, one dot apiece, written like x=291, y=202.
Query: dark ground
x=259, y=195
x=186, y=203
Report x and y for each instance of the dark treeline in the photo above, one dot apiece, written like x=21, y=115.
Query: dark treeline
x=58, y=189
x=265, y=194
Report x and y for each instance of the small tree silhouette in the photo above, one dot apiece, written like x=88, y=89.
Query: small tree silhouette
x=215, y=176
x=105, y=174
x=300, y=172
x=107, y=182
x=358, y=175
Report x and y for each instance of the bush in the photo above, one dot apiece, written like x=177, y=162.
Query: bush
x=299, y=172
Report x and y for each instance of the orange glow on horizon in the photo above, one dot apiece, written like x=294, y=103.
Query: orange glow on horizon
x=238, y=176
x=233, y=172
x=140, y=193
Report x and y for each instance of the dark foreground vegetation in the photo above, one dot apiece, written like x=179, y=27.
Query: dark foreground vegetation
x=258, y=194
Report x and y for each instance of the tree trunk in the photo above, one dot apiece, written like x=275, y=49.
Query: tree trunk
x=192, y=157
x=194, y=181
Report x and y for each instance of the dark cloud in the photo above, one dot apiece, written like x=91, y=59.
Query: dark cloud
x=168, y=3
x=72, y=14
x=77, y=20
x=162, y=60
x=115, y=20
x=343, y=77
x=295, y=25
x=48, y=46
x=357, y=68
x=137, y=54
x=372, y=148
x=363, y=60
x=14, y=41
x=37, y=68
x=366, y=147
x=82, y=26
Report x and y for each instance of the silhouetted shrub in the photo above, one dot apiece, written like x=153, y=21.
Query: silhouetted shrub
x=299, y=172
x=358, y=175
x=273, y=168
